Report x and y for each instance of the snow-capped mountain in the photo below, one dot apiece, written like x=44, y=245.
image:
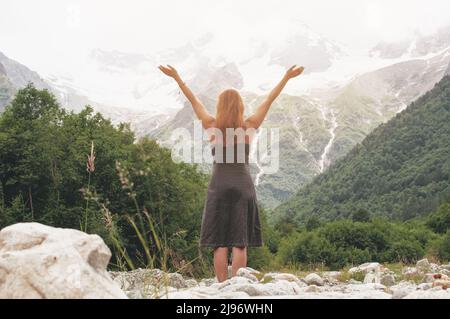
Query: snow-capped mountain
x=303, y=45
x=19, y=75
x=133, y=81
x=323, y=124
x=417, y=46
x=14, y=76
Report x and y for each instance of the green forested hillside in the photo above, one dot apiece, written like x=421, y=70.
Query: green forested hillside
x=401, y=170
x=146, y=207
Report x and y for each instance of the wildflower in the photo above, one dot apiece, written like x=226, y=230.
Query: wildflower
x=90, y=167
x=107, y=217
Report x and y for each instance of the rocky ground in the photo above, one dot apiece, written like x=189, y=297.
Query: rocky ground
x=425, y=280
x=38, y=261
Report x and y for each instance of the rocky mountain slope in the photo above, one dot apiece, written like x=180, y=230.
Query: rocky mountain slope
x=6, y=88
x=319, y=128
x=14, y=76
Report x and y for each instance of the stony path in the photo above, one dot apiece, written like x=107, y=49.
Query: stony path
x=378, y=283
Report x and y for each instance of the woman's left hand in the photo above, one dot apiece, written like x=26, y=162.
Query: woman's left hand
x=169, y=70
x=294, y=71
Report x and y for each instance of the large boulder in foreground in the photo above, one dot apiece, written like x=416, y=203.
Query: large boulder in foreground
x=38, y=261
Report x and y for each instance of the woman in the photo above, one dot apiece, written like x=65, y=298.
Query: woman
x=230, y=217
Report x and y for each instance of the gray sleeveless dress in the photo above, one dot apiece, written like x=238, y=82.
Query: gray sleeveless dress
x=231, y=216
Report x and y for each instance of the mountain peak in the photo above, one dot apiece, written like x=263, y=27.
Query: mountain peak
x=416, y=46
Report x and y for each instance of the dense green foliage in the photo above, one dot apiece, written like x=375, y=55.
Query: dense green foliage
x=354, y=241
x=439, y=221
x=43, y=178
x=401, y=170
x=344, y=242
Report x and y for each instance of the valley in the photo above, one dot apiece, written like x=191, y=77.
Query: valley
x=320, y=117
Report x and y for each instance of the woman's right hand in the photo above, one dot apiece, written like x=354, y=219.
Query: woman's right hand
x=169, y=71
x=294, y=71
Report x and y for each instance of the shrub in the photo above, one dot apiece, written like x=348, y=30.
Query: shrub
x=361, y=215
x=443, y=248
x=312, y=223
x=345, y=242
x=439, y=221
x=406, y=251
x=306, y=248
x=260, y=258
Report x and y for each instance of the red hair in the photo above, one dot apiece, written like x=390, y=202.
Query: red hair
x=229, y=111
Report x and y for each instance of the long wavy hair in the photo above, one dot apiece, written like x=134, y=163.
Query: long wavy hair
x=229, y=111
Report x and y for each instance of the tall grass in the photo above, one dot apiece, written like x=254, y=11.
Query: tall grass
x=90, y=168
x=153, y=250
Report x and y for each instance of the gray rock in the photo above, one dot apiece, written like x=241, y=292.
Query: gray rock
x=253, y=271
x=371, y=278
x=206, y=282
x=402, y=289
x=379, y=286
x=423, y=264
x=38, y=261
x=388, y=280
x=237, y=280
x=273, y=276
x=193, y=293
x=410, y=271
x=332, y=276
x=425, y=286
x=399, y=293
x=282, y=288
x=312, y=288
x=134, y=294
x=249, y=289
x=366, y=268
x=175, y=280
x=247, y=273
x=434, y=267
x=314, y=279
x=190, y=283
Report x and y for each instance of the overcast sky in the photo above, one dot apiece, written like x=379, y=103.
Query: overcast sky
x=49, y=34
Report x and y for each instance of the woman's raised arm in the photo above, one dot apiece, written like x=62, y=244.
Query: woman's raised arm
x=199, y=109
x=258, y=117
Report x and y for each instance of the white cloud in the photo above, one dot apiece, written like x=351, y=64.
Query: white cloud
x=53, y=34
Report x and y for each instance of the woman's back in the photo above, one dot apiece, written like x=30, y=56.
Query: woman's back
x=236, y=153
